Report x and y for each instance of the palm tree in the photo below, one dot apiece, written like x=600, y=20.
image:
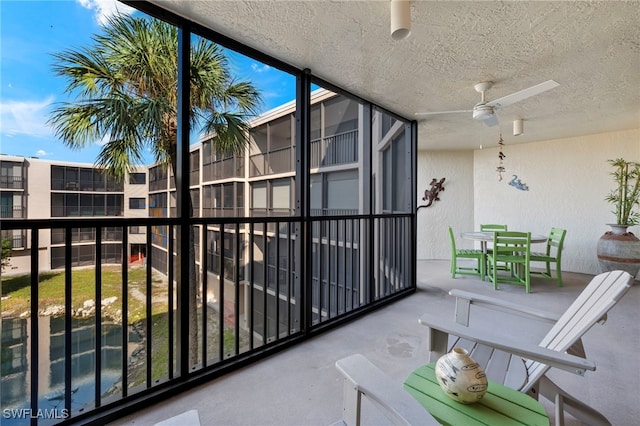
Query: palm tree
x=125, y=85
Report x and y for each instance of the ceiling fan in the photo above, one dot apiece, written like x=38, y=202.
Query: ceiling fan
x=485, y=110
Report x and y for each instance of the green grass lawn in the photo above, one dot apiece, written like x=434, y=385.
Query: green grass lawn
x=17, y=291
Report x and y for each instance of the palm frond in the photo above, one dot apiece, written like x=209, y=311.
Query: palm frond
x=231, y=132
x=118, y=156
x=125, y=85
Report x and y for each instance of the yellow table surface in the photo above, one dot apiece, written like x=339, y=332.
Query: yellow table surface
x=499, y=406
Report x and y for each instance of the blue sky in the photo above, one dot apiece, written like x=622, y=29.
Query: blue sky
x=31, y=31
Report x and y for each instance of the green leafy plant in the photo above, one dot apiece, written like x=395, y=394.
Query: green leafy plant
x=626, y=196
x=6, y=253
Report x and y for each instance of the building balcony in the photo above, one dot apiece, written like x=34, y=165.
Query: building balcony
x=12, y=212
x=301, y=386
x=341, y=148
x=11, y=182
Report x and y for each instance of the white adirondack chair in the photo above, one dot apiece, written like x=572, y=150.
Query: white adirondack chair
x=560, y=348
x=362, y=378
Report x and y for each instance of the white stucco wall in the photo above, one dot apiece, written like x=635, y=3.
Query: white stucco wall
x=455, y=207
x=567, y=178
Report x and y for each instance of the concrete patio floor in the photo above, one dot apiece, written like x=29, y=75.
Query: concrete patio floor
x=301, y=386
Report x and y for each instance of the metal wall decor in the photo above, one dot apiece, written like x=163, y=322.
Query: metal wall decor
x=431, y=194
x=518, y=184
x=500, y=169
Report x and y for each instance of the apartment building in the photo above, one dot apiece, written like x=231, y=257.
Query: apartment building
x=248, y=266
x=33, y=188
x=260, y=184
x=255, y=258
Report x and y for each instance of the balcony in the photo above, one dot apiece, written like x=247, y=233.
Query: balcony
x=301, y=386
x=247, y=310
x=11, y=182
x=273, y=162
x=12, y=212
x=341, y=148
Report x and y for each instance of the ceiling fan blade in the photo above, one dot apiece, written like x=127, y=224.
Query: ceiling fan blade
x=444, y=112
x=491, y=121
x=523, y=94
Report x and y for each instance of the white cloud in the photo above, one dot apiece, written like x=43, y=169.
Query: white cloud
x=25, y=118
x=104, y=9
x=260, y=68
x=105, y=139
x=42, y=153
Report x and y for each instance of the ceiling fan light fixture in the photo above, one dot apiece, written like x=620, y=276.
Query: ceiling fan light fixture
x=400, y=19
x=518, y=127
x=482, y=111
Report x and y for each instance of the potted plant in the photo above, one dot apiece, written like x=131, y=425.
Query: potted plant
x=618, y=249
x=626, y=196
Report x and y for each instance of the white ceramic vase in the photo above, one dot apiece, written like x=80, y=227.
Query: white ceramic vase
x=461, y=377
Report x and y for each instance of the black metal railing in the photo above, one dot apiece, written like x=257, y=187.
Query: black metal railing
x=117, y=337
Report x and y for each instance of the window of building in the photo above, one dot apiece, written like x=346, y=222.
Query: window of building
x=99, y=181
x=281, y=197
x=69, y=178
x=259, y=197
x=158, y=204
x=137, y=203
x=11, y=205
x=86, y=180
x=84, y=255
x=137, y=178
x=342, y=192
x=137, y=229
x=11, y=175
x=114, y=205
x=280, y=133
x=73, y=204
x=99, y=208
x=195, y=201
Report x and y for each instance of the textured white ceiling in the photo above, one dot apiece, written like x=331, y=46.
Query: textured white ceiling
x=591, y=48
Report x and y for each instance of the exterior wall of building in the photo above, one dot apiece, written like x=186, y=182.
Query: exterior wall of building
x=13, y=204
x=136, y=204
x=568, y=180
x=44, y=198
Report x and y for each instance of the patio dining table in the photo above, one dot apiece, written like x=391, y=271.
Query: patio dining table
x=487, y=236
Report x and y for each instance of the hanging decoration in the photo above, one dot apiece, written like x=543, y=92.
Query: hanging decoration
x=518, y=184
x=500, y=169
x=431, y=194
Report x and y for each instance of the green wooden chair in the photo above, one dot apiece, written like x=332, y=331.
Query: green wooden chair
x=493, y=227
x=553, y=254
x=514, y=249
x=456, y=254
